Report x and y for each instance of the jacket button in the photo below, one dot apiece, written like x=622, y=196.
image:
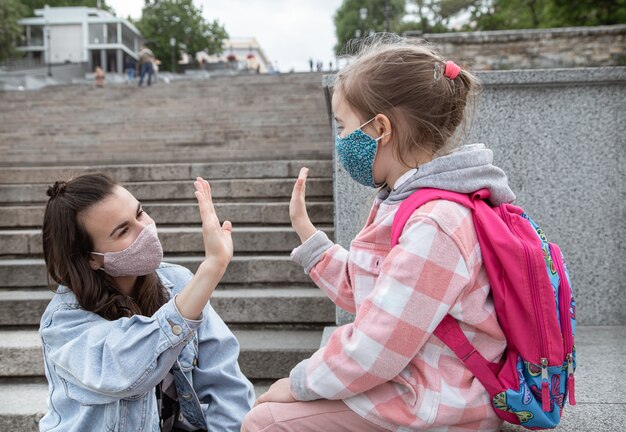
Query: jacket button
x=176, y=329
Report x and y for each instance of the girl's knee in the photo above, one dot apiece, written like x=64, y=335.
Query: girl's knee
x=258, y=419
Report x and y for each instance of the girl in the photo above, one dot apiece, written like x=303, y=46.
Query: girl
x=130, y=343
x=397, y=107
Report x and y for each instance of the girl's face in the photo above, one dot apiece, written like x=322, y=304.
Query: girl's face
x=114, y=223
x=348, y=121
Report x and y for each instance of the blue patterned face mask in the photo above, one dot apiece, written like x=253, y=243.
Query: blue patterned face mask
x=356, y=152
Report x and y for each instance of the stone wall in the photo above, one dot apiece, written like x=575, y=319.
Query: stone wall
x=571, y=47
x=560, y=136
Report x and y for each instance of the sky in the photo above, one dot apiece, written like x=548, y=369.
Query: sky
x=289, y=31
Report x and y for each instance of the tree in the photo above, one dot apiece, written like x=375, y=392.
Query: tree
x=10, y=31
x=31, y=5
x=433, y=16
x=519, y=14
x=162, y=20
x=360, y=18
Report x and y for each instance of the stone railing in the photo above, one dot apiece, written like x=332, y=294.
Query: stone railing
x=560, y=135
x=534, y=48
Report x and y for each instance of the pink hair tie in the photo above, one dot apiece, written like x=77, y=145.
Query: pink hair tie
x=452, y=70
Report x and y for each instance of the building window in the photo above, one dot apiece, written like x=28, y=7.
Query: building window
x=96, y=34
x=36, y=36
x=128, y=38
x=112, y=33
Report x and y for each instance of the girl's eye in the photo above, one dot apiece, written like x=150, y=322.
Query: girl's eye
x=141, y=213
x=124, y=231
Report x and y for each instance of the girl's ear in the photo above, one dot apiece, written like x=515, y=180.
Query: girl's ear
x=383, y=127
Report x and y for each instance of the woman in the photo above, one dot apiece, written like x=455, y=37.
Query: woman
x=130, y=343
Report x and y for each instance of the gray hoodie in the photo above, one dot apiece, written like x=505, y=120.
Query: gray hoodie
x=466, y=170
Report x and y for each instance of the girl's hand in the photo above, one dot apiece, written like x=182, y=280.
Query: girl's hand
x=218, y=242
x=297, y=208
x=278, y=392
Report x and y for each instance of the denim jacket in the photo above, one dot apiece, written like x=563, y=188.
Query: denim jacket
x=102, y=374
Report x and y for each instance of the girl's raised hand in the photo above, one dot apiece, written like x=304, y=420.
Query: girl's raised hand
x=297, y=208
x=218, y=242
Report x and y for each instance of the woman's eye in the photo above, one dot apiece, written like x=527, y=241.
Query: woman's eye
x=141, y=213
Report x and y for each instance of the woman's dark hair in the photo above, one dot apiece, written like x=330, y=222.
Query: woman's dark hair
x=66, y=248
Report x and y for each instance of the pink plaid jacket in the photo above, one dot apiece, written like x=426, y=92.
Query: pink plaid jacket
x=387, y=366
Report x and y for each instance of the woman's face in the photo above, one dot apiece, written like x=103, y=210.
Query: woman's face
x=113, y=223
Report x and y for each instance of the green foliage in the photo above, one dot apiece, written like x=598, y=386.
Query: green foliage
x=179, y=19
x=433, y=16
x=10, y=31
x=31, y=5
x=349, y=24
x=518, y=14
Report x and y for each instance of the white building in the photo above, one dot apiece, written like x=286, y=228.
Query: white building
x=79, y=35
x=242, y=54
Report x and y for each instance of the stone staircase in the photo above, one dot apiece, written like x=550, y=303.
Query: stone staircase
x=276, y=124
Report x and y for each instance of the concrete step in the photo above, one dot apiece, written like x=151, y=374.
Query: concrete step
x=206, y=121
x=175, y=171
x=175, y=240
x=186, y=213
x=236, y=305
x=22, y=404
x=253, y=269
x=265, y=354
x=256, y=189
x=601, y=404
x=173, y=150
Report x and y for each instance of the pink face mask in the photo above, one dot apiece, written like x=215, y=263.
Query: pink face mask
x=142, y=257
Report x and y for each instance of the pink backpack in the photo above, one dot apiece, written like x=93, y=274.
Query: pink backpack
x=534, y=305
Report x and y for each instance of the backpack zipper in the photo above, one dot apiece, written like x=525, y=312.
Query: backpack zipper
x=545, y=386
x=566, y=323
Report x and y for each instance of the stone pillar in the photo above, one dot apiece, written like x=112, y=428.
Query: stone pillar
x=560, y=137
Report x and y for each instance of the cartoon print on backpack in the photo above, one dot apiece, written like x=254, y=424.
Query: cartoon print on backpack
x=556, y=394
x=533, y=369
x=500, y=402
x=523, y=386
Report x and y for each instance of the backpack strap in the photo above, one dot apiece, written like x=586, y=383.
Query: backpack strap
x=421, y=197
x=449, y=330
x=450, y=333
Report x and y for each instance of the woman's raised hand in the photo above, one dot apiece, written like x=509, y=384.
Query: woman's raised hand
x=218, y=251
x=297, y=208
x=218, y=242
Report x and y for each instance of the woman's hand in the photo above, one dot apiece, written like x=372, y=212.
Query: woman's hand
x=218, y=242
x=218, y=250
x=278, y=392
x=297, y=208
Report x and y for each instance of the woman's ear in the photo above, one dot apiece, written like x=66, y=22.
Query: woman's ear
x=95, y=261
x=383, y=127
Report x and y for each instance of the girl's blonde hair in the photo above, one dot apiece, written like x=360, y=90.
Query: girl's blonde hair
x=405, y=81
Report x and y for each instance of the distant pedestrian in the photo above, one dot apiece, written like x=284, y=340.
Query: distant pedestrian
x=156, y=65
x=130, y=65
x=311, y=64
x=330, y=66
x=98, y=76
x=146, y=59
x=320, y=65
